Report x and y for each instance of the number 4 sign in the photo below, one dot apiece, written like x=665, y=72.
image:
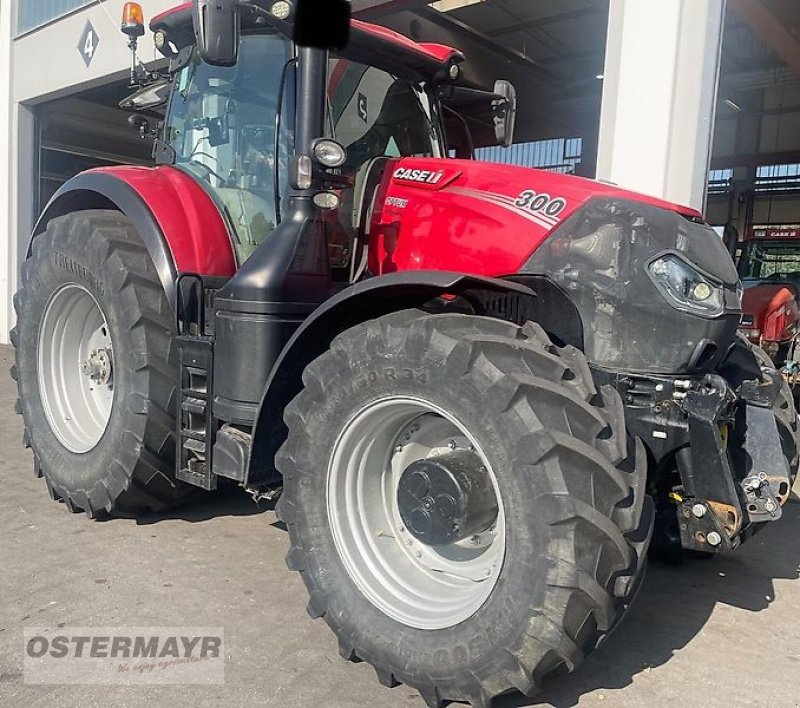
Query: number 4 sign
x=88, y=43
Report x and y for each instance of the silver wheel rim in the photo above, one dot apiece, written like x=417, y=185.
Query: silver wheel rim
x=421, y=586
x=75, y=368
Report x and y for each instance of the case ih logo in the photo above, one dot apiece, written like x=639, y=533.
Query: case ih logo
x=407, y=174
x=774, y=234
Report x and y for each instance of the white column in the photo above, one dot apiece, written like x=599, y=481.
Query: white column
x=659, y=95
x=7, y=257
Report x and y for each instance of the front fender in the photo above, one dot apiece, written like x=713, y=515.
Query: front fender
x=178, y=222
x=363, y=301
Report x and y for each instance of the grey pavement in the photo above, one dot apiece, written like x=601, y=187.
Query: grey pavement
x=721, y=633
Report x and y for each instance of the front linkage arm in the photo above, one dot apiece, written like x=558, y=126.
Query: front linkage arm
x=735, y=467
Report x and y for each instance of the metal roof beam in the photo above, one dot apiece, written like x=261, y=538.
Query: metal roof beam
x=451, y=23
x=387, y=7
x=774, y=30
x=544, y=21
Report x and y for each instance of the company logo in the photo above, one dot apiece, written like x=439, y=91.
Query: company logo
x=408, y=174
x=363, y=113
x=119, y=655
x=777, y=233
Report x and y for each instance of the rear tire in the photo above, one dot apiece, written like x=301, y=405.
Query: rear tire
x=124, y=462
x=571, y=485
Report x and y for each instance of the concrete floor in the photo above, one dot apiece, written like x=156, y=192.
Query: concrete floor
x=722, y=632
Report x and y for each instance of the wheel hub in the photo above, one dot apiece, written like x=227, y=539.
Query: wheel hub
x=447, y=498
x=75, y=368
x=98, y=367
x=416, y=565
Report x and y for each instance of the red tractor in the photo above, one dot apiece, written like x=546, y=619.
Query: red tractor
x=770, y=271
x=481, y=388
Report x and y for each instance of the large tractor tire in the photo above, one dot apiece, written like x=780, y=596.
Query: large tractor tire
x=95, y=381
x=464, y=506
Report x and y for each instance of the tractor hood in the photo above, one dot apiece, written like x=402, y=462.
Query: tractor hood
x=655, y=287
x=476, y=217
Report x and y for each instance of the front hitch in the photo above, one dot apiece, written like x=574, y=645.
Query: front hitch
x=710, y=513
x=727, y=436
x=734, y=471
x=759, y=457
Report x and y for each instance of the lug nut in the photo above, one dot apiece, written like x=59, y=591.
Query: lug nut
x=714, y=539
x=699, y=511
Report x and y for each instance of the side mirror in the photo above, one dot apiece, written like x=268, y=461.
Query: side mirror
x=217, y=26
x=504, y=112
x=323, y=24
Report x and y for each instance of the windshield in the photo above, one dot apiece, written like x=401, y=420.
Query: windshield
x=222, y=126
x=374, y=114
x=771, y=261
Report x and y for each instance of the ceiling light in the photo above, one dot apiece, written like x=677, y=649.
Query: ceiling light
x=733, y=106
x=451, y=5
x=600, y=77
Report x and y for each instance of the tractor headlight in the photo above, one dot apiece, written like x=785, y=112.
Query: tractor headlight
x=281, y=9
x=329, y=153
x=685, y=287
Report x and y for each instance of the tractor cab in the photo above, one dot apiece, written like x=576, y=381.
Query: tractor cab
x=240, y=126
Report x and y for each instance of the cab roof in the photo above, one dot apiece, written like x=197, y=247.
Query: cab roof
x=366, y=41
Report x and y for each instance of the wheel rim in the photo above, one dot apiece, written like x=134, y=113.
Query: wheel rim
x=420, y=585
x=75, y=368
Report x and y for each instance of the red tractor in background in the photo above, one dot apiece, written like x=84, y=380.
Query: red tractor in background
x=482, y=389
x=770, y=271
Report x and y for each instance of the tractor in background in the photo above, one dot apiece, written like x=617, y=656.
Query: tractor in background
x=769, y=267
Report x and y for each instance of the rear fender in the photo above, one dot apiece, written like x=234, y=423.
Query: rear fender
x=359, y=303
x=178, y=222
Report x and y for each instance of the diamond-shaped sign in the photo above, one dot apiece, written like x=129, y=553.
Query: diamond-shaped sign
x=88, y=43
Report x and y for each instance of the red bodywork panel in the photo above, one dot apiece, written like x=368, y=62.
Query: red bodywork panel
x=774, y=310
x=183, y=8
x=189, y=219
x=437, y=52
x=475, y=217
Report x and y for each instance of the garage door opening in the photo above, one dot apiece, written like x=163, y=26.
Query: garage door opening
x=553, y=53
x=83, y=131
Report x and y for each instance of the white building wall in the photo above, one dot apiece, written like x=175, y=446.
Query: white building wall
x=659, y=94
x=7, y=270
x=42, y=65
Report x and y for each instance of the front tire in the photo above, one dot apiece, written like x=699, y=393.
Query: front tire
x=96, y=384
x=569, y=482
